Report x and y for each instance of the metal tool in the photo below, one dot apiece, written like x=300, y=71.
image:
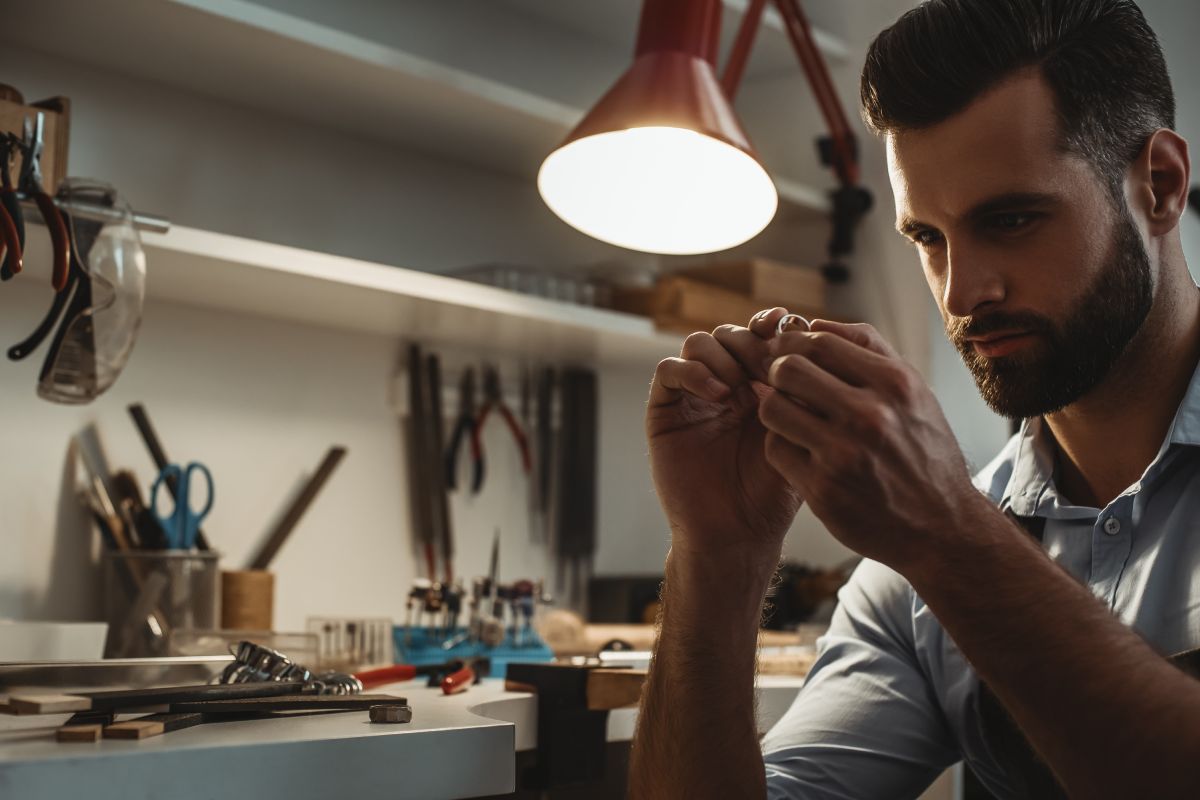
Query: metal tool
x=438, y=502
x=297, y=508
x=183, y=523
x=792, y=322
x=142, y=421
x=493, y=398
x=390, y=713
x=31, y=184
x=464, y=426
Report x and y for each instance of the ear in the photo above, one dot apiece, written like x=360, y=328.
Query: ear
x=1158, y=181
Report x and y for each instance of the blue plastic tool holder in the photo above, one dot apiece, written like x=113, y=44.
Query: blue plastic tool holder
x=422, y=649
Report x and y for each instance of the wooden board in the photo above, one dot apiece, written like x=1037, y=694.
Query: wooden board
x=318, y=702
x=774, y=283
x=614, y=688
x=683, y=305
x=152, y=725
x=143, y=699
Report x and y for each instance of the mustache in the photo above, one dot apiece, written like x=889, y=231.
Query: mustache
x=959, y=328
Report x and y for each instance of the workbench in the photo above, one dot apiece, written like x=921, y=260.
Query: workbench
x=456, y=746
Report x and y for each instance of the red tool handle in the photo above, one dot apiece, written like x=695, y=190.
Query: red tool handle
x=58, y=237
x=393, y=674
x=10, y=240
x=459, y=681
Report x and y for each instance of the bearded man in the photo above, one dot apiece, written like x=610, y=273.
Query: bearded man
x=1033, y=621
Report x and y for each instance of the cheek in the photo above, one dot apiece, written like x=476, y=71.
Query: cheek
x=935, y=278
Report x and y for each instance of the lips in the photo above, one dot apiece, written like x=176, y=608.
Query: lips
x=995, y=345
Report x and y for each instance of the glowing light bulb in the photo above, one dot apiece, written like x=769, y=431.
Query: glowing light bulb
x=659, y=189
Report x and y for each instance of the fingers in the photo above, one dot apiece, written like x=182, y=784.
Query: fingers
x=763, y=323
x=789, y=460
x=797, y=424
x=813, y=386
x=677, y=375
x=750, y=349
x=712, y=365
x=860, y=333
x=853, y=363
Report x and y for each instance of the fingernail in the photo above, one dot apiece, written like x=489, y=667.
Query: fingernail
x=716, y=388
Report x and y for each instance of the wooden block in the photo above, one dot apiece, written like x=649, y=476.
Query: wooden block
x=85, y=726
x=55, y=135
x=773, y=283
x=152, y=725
x=614, y=688
x=48, y=703
x=90, y=732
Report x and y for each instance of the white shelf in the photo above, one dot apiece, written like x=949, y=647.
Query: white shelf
x=228, y=273
x=252, y=55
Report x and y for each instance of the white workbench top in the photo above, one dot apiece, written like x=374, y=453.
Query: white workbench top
x=455, y=747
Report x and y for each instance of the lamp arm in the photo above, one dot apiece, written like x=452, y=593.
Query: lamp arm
x=735, y=66
x=843, y=150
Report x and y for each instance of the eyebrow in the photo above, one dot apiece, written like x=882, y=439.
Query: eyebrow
x=907, y=225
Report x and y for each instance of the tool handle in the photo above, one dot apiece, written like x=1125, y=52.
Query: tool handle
x=378, y=677
x=58, y=237
x=10, y=237
x=458, y=681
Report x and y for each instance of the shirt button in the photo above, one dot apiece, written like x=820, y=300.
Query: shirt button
x=1112, y=526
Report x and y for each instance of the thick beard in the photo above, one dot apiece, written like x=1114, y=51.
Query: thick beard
x=1073, y=357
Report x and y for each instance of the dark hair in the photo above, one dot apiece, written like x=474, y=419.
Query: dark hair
x=1099, y=57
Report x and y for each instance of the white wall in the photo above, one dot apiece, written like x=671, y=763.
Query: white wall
x=260, y=401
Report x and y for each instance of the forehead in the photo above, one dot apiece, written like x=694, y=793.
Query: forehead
x=1005, y=141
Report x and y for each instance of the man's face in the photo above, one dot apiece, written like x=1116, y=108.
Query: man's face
x=1040, y=278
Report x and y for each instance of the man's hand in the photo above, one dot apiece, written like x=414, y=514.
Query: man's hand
x=861, y=437
x=707, y=445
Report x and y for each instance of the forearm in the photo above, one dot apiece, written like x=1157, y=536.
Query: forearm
x=696, y=735
x=1109, y=715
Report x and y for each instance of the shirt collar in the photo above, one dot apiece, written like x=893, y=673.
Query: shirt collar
x=1033, y=462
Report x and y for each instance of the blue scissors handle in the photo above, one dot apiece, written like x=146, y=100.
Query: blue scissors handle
x=183, y=523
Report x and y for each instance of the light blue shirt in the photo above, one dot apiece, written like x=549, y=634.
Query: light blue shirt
x=891, y=702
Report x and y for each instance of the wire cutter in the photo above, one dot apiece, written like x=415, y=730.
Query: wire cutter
x=464, y=425
x=31, y=184
x=493, y=398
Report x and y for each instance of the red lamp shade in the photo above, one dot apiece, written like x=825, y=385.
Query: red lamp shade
x=661, y=163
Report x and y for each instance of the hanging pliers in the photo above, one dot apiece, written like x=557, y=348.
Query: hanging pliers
x=31, y=184
x=464, y=425
x=12, y=225
x=493, y=398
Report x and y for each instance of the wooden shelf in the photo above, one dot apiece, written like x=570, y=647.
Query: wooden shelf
x=228, y=273
x=252, y=55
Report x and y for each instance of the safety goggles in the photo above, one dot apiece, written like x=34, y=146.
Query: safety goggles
x=96, y=317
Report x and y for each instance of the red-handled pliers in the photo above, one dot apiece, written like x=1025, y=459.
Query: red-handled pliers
x=455, y=676
x=12, y=229
x=493, y=398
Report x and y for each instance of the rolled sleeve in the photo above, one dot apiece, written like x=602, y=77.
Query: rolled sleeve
x=867, y=723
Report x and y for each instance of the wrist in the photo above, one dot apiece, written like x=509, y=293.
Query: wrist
x=729, y=584
x=973, y=531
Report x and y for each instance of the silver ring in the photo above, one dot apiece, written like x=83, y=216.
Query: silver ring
x=792, y=322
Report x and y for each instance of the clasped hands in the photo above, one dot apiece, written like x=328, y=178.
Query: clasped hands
x=746, y=424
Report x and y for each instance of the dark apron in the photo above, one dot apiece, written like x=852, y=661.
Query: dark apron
x=1028, y=775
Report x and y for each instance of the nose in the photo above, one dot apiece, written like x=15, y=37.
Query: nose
x=971, y=281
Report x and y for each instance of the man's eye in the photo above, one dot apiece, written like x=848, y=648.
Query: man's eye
x=926, y=238
x=1011, y=220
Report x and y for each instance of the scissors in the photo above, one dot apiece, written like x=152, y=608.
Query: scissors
x=183, y=522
